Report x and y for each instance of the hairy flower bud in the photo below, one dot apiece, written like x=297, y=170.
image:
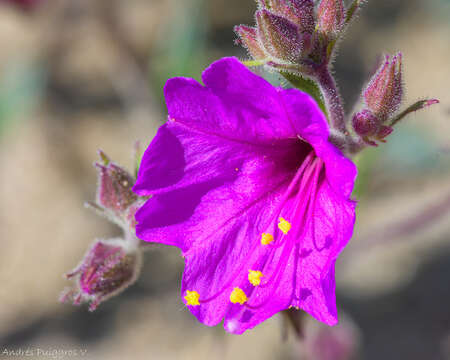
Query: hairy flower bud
x=330, y=17
x=299, y=12
x=383, y=96
x=115, y=186
x=283, y=36
x=108, y=267
x=369, y=127
x=280, y=37
x=249, y=38
x=384, y=92
x=384, y=132
x=365, y=123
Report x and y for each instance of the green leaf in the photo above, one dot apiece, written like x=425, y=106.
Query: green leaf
x=306, y=85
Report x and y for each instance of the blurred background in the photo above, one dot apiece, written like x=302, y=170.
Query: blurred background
x=80, y=75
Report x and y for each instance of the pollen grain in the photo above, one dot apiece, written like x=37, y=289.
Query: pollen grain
x=192, y=298
x=284, y=225
x=238, y=296
x=266, y=239
x=255, y=277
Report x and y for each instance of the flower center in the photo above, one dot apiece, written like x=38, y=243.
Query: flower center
x=288, y=231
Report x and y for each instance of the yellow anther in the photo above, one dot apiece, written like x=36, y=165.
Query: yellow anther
x=266, y=239
x=284, y=225
x=192, y=298
x=238, y=296
x=255, y=277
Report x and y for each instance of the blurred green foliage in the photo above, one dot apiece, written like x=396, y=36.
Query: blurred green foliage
x=181, y=47
x=21, y=86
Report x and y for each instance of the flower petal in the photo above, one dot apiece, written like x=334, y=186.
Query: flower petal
x=253, y=108
x=219, y=180
x=307, y=281
x=311, y=125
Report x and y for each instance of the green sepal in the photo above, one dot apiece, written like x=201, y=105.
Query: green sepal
x=351, y=11
x=308, y=86
x=253, y=63
x=421, y=104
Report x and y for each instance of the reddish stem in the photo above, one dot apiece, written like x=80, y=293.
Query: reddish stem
x=332, y=98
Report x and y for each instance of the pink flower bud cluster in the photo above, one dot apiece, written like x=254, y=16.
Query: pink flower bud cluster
x=115, y=196
x=109, y=266
x=297, y=38
x=382, y=99
x=330, y=17
x=296, y=32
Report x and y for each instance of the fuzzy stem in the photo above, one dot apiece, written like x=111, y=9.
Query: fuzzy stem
x=332, y=98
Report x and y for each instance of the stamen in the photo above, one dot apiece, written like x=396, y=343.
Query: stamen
x=303, y=175
x=280, y=270
x=238, y=296
x=284, y=225
x=307, y=161
x=192, y=298
x=255, y=277
x=311, y=205
x=266, y=239
x=305, y=190
x=282, y=259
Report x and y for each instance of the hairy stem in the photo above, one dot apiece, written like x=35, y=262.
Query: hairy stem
x=332, y=98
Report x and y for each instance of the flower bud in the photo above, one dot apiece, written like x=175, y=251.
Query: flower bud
x=353, y=9
x=279, y=36
x=370, y=128
x=299, y=12
x=384, y=132
x=365, y=123
x=384, y=92
x=249, y=38
x=383, y=96
x=330, y=17
x=114, y=190
x=283, y=37
x=115, y=184
x=131, y=211
x=107, y=268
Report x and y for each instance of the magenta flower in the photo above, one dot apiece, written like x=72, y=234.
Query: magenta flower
x=245, y=182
